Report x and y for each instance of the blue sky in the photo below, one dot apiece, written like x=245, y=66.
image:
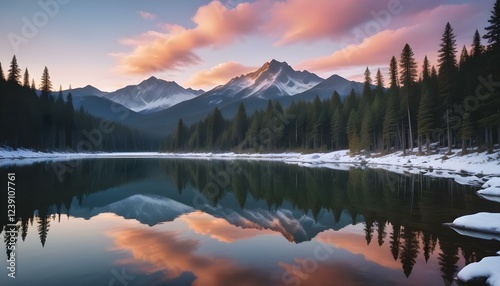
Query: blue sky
x=201, y=43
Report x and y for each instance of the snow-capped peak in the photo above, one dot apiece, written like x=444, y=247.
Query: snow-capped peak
x=152, y=94
x=273, y=79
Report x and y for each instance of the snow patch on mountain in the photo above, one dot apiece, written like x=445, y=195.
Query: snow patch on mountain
x=273, y=79
x=152, y=95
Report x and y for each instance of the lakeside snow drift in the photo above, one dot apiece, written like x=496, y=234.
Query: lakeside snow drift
x=480, y=222
x=487, y=269
x=470, y=169
x=483, y=226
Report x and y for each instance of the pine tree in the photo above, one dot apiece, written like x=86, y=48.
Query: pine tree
x=447, y=74
x=367, y=89
x=380, y=82
x=45, y=86
x=216, y=125
x=179, y=136
x=393, y=74
x=47, y=114
x=426, y=70
x=14, y=71
x=476, y=48
x=464, y=57
x=239, y=126
x=33, y=86
x=26, y=79
x=493, y=30
x=408, y=65
x=378, y=109
x=408, y=76
x=447, y=53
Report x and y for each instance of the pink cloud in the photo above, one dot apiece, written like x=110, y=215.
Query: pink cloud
x=216, y=26
x=420, y=30
x=219, y=74
x=147, y=15
x=305, y=20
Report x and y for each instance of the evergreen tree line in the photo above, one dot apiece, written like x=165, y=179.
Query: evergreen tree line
x=456, y=104
x=49, y=122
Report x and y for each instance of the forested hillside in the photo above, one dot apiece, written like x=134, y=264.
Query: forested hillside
x=454, y=102
x=49, y=121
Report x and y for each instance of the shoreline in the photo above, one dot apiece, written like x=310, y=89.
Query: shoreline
x=470, y=169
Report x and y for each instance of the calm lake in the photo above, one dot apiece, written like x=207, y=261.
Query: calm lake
x=201, y=222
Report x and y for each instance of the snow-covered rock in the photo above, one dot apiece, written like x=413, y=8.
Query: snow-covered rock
x=480, y=222
x=491, y=191
x=487, y=269
x=493, y=182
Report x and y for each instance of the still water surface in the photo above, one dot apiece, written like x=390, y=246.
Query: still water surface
x=194, y=222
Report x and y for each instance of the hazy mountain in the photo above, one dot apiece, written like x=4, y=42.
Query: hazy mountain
x=152, y=95
x=326, y=88
x=105, y=108
x=85, y=91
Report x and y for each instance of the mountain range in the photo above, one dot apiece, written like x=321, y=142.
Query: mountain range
x=151, y=208
x=156, y=105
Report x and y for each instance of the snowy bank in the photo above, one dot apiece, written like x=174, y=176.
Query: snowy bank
x=473, y=168
x=487, y=269
x=480, y=222
x=491, y=191
x=492, y=183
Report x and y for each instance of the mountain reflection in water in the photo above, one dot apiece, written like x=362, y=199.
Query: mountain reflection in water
x=227, y=222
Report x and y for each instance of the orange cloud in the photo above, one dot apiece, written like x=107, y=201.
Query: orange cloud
x=219, y=74
x=167, y=253
x=215, y=26
x=147, y=15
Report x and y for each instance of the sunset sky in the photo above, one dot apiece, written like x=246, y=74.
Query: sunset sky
x=202, y=43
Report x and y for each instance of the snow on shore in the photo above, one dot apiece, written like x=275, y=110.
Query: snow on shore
x=484, y=226
x=480, y=222
x=488, y=269
x=465, y=169
x=491, y=191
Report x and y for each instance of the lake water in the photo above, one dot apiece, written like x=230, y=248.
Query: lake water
x=200, y=222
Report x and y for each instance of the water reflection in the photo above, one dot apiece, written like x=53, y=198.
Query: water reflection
x=392, y=221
